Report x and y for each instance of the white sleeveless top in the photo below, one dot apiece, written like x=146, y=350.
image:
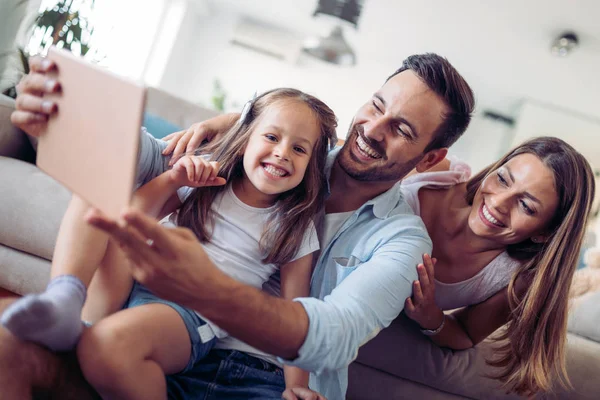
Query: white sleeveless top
x=487, y=282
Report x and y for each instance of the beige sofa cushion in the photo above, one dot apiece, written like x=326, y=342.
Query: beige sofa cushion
x=459, y=372
x=31, y=215
x=584, y=319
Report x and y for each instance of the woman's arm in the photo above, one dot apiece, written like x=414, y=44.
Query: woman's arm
x=464, y=328
x=295, y=282
x=468, y=326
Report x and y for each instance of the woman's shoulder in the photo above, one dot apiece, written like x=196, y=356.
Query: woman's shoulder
x=452, y=172
x=457, y=172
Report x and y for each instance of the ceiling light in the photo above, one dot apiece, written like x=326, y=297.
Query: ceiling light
x=565, y=44
x=333, y=48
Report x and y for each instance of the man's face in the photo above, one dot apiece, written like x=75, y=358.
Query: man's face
x=390, y=132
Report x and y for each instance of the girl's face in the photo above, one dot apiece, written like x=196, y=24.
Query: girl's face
x=280, y=147
x=515, y=202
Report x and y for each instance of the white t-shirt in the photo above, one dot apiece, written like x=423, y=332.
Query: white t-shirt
x=234, y=244
x=333, y=223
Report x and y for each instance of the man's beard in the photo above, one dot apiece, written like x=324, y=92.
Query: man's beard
x=378, y=172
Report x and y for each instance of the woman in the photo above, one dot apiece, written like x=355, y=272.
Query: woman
x=506, y=245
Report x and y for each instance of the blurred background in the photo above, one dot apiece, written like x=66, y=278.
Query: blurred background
x=532, y=64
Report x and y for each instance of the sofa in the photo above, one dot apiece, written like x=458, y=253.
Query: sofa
x=400, y=363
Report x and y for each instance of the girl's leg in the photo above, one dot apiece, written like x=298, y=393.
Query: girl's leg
x=128, y=354
x=53, y=318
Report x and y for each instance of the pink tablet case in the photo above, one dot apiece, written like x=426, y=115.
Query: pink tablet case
x=91, y=144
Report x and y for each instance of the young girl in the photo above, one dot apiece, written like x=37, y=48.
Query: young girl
x=251, y=199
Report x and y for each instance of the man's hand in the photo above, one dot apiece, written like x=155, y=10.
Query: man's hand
x=196, y=171
x=171, y=262
x=32, y=110
x=301, y=393
x=190, y=139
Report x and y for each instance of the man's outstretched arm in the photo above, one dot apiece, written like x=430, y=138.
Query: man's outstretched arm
x=177, y=268
x=316, y=334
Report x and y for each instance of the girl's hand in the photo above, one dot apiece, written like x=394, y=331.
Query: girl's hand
x=301, y=393
x=421, y=306
x=196, y=171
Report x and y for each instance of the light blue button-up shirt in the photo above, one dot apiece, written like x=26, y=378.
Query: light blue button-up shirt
x=360, y=283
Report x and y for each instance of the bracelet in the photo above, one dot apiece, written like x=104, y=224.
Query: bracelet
x=433, y=332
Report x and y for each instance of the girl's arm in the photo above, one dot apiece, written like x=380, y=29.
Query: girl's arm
x=464, y=328
x=159, y=197
x=295, y=282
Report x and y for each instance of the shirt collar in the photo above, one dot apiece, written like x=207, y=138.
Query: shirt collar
x=383, y=204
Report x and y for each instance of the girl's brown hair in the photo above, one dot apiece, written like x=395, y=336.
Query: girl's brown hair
x=296, y=208
x=534, y=353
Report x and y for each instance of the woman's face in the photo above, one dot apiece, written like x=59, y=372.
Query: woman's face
x=515, y=202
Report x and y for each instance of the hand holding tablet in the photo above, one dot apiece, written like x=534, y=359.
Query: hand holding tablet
x=91, y=143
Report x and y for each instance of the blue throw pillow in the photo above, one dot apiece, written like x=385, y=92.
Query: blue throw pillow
x=159, y=127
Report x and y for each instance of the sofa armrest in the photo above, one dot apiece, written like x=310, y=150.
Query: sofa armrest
x=13, y=141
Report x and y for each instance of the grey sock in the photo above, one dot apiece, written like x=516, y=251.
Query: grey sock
x=52, y=318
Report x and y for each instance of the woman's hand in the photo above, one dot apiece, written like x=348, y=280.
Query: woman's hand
x=196, y=171
x=301, y=393
x=190, y=139
x=32, y=110
x=421, y=306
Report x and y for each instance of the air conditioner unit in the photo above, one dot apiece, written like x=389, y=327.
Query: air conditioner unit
x=269, y=41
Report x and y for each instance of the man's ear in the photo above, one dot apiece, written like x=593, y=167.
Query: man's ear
x=433, y=158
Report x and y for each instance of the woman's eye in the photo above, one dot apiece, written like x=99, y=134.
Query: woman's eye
x=272, y=138
x=527, y=209
x=300, y=150
x=501, y=179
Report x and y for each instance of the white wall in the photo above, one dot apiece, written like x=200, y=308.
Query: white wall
x=484, y=142
x=580, y=131
x=203, y=54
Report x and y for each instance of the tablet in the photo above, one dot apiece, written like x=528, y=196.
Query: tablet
x=91, y=144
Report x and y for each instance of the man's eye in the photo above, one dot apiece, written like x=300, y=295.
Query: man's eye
x=376, y=106
x=401, y=132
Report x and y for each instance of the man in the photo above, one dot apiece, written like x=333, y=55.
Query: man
x=371, y=242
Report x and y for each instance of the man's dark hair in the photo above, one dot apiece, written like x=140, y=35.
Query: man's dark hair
x=441, y=77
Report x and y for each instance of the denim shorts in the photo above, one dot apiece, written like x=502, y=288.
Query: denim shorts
x=228, y=375
x=140, y=296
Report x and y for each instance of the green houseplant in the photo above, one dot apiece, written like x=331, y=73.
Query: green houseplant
x=65, y=24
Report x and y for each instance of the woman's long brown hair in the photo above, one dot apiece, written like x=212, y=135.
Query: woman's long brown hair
x=296, y=208
x=531, y=351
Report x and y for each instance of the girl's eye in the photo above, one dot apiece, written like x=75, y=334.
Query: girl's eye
x=271, y=138
x=527, y=209
x=300, y=149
